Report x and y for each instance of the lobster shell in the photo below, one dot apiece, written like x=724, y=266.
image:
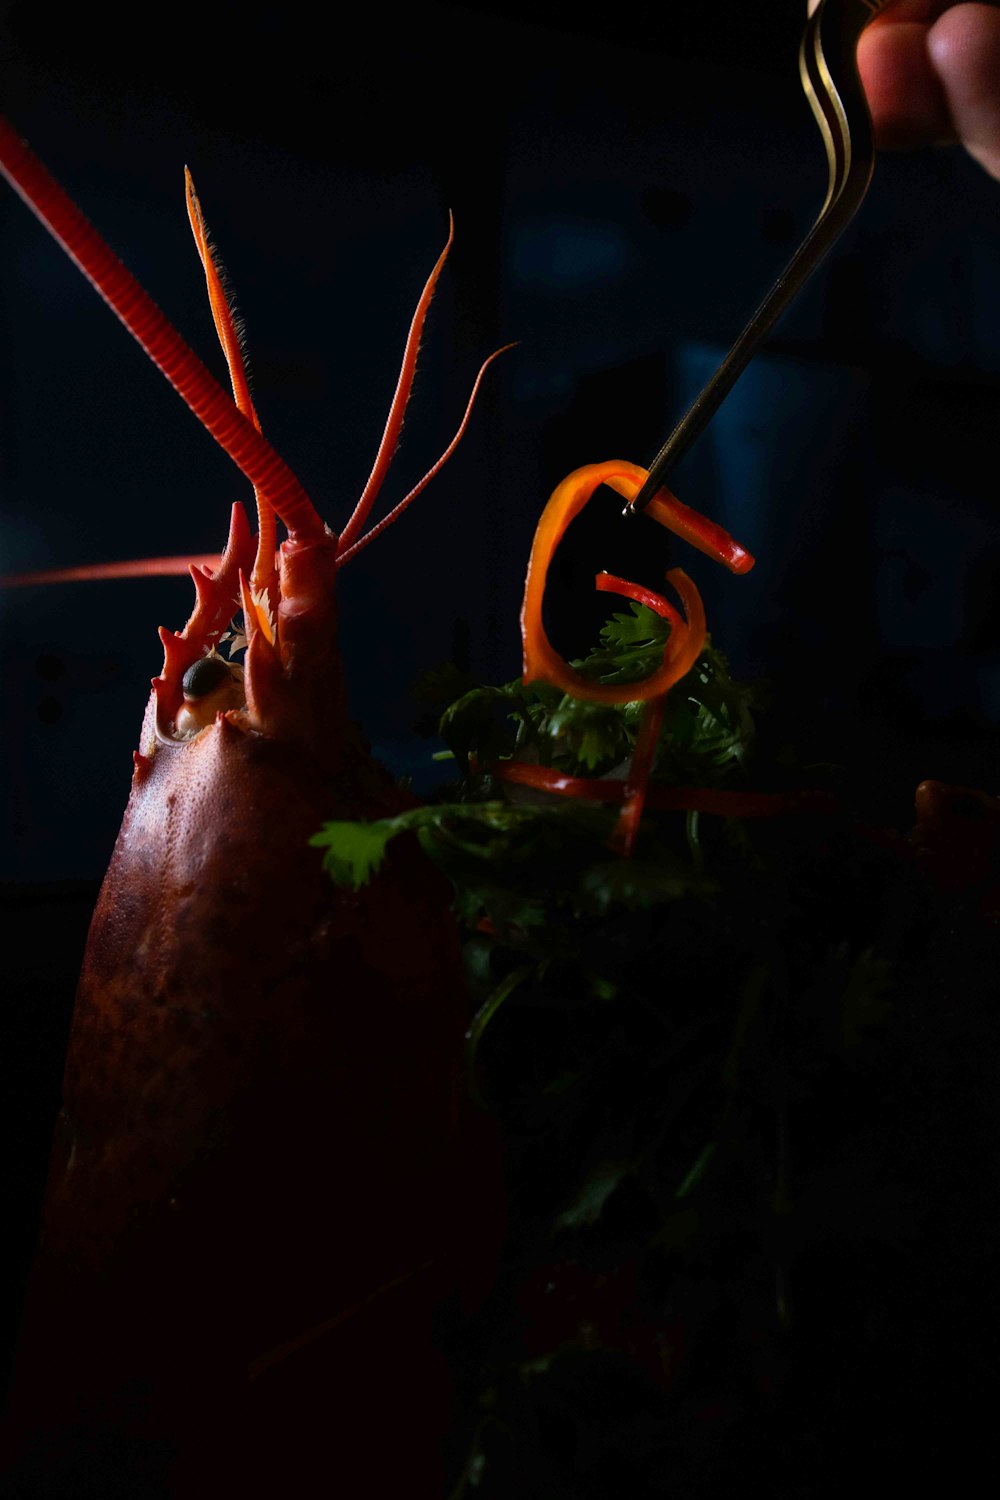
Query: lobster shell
x=248, y=1199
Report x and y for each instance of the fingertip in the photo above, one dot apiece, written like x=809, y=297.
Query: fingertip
x=905, y=94
x=963, y=47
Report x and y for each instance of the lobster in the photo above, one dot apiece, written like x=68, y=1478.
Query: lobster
x=245, y=1227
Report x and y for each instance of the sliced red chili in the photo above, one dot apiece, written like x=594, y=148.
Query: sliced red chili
x=610, y=583
x=715, y=801
x=637, y=782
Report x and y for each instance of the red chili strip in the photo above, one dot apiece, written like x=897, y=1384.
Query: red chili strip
x=712, y=800
x=610, y=583
x=702, y=533
x=637, y=782
x=690, y=525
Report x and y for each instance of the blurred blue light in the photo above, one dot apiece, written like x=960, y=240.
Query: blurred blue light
x=568, y=255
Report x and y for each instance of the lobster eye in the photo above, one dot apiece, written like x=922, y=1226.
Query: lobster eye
x=211, y=686
x=205, y=676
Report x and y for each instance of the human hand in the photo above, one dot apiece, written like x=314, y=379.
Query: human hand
x=931, y=72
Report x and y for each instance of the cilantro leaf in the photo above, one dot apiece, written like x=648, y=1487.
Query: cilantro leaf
x=640, y=625
x=354, y=851
x=708, y=730
x=589, y=1202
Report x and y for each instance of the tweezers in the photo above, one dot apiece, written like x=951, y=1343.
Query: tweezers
x=829, y=73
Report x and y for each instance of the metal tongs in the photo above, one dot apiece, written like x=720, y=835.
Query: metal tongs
x=829, y=73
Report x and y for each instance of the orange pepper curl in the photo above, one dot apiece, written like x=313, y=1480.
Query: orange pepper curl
x=687, y=636
x=541, y=660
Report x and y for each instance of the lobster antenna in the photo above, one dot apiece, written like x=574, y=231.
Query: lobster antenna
x=397, y=410
x=262, y=579
x=345, y=554
x=215, y=410
x=222, y=311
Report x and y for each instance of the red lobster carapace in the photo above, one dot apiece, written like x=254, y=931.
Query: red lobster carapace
x=254, y=1168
